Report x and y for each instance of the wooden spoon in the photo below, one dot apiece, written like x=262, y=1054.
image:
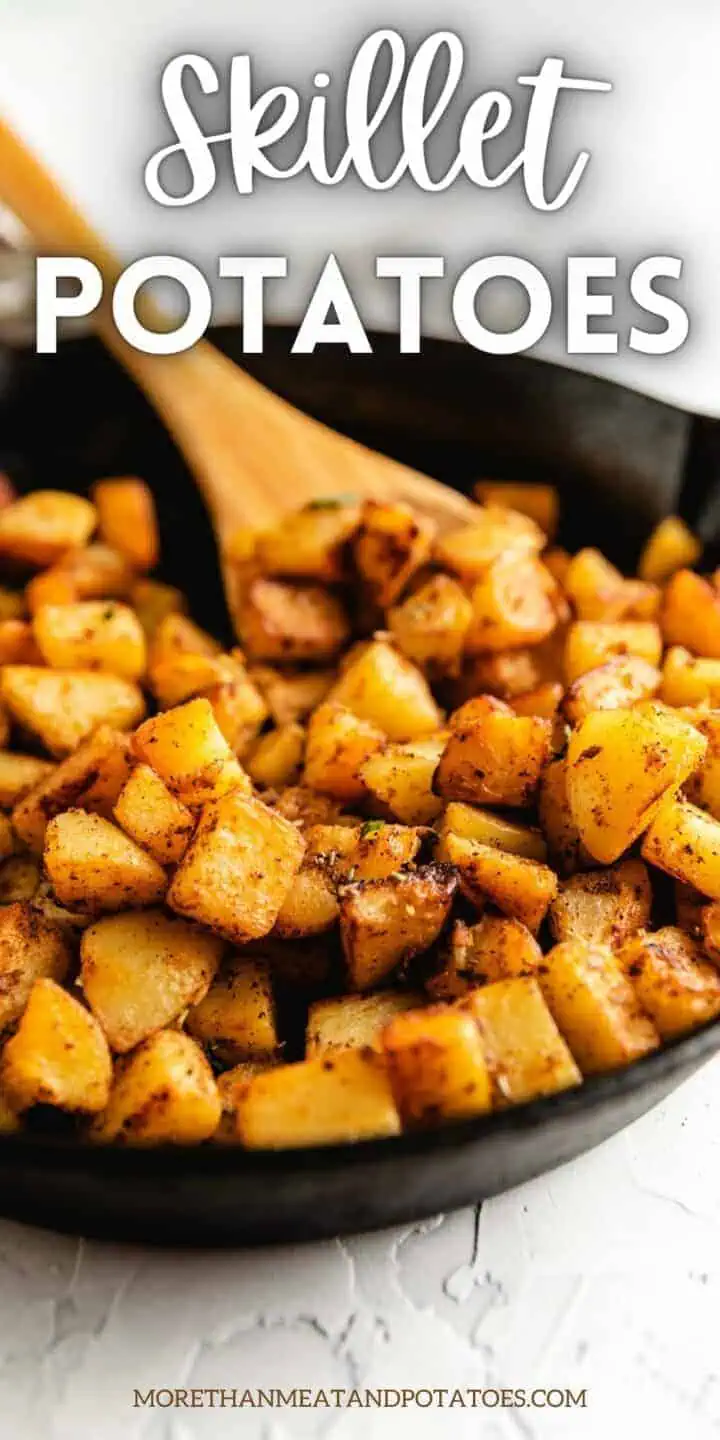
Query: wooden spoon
x=252, y=454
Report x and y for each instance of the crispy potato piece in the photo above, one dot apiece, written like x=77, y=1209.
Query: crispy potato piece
x=20, y=877
x=239, y=709
x=512, y=606
x=7, y=838
x=19, y=774
x=44, y=904
x=58, y=1055
x=97, y=572
x=540, y=502
x=384, y=923
x=620, y=766
x=282, y=621
x=232, y=1085
x=617, y=685
x=400, y=777
x=505, y=674
x=703, y=787
x=672, y=546
x=89, y=779
x=153, y=602
x=190, y=753
x=324, y=1101
x=685, y=842
x=30, y=950
x=596, y=1007
x=291, y=697
x=238, y=869
x=307, y=807
x=335, y=845
x=597, y=590
x=17, y=644
x=140, y=972
x=13, y=605
x=521, y=888
x=183, y=675
x=277, y=757
x=50, y=587
x=392, y=542
x=674, y=984
x=563, y=837
x=382, y=850
x=691, y=614
x=496, y=759
x=496, y=532
x=309, y=544
x=127, y=520
x=64, y=707
x=526, y=1054
x=495, y=949
x=430, y=626
x=311, y=905
x=354, y=1022
x=37, y=529
x=603, y=907
x=544, y=700
x=476, y=824
x=237, y=1015
x=164, y=1093
x=591, y=643
x=478, y=708
x=689, y=679
x=437, y=1065
x=93, y=866
x=381, y=686
x=338, y=745
x=176, y=635
x=152, y=816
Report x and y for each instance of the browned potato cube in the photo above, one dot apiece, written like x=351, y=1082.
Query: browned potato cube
x=496, y=760
x=617, y=685
x=381, y=686
x=291, y=697
x=703, y=787
x=339, y=743
x=603, y=907
x=89, y=779
x=93, y=866
x=689, y=679
x=189, y=752
x=276, y=758
x=164, y=1093
x=476, y=824
x=282, y=621
x=30, y=950
x=519, y=887
x=495, y=533
x=19, y=878
x=64, y=707
x=400, y=778
x=232, y=1085
x=100, y=635
x=512, y=606
x=525, y=1052
x=153, y=602
x=240, y=710
x=674, y=984
x=310, y=544
x=150, y=814
x=392, y=543
x=540, y=502
x=17, y=644
x=237, y=1015
x=140, y=972
x=556, y=819
x=238, y=869
x=597, y=590
x=311, y=905
x=37, y=529
x=430, y=626
x=596, y=1007
x=97, y=572
x=386, y=922
x=544, y=700
x=382, y=850
x=175, y=635
x=7, y=838
x=685, y=842
x=709, y=918
x=671, y=547
x=323, y=1101
x=497, y=948
x=182, y=675
x=691, y=614
x=19, y=774
x=58, y=1054
x=437, y=1065
x=307, y=807
x=591, y=643
x=127, y=519
x=352, y=1022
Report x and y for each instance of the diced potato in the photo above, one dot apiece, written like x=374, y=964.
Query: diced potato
x=232, y=1085
x=384, y=923
x=151, y=815
x=58, y=1055
x=437, y=1065
x=7, y=838
x=19, y=878
x=45, y=905
x=183, y=675
x=51, y=587
x=430, y=626
x=238, y=869
x=494, y=760
x=556, y=818
x=282, y=621
x=164, y=1093
x=309, y=544
x=239, y=709
x=334, y=845
x=603, y=907
x=495, y=949
x=690, y=614
x=596, y=1007
x=689, y=679
x=381, y=686
x=540, y=502
x=476, y=824
x=354, y=1022
x=307, y=807
x=671, y=547
x=291, y=697
x=64, y=707
x=140, y=972
x=176, y=635
x=311, y=905
x=478, y=707
x=19, y=774
x=591, y=643
x=519, y=887
x=93, y=866
x=382, y=850
x=189, y=752
x=153, y=602
x=506, y=674
x=338, y=745
x=620, y=766
x=127, y=520
x=512, y=606
x=89, y=779
x=595, y=587
x=617, y=685
x=392, y=543
x=674, y=984
x=17, y=644
x=494, y=533
x=323, y=1101
x=30, y=950
x=277, y=757
x=38, y=528
x=689, y=908
x=400, y=777
x=98, y=572
x=237, y=1015
x=13, y=605
x=526, y=1055
x=685, y=842
x=703, y=787
x=544, y=700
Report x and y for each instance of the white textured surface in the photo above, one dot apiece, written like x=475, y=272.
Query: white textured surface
x=603, y=1275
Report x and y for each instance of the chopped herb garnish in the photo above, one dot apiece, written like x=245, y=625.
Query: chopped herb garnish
x=371, y=827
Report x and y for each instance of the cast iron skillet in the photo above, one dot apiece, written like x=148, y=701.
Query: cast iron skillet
x=622, y=460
